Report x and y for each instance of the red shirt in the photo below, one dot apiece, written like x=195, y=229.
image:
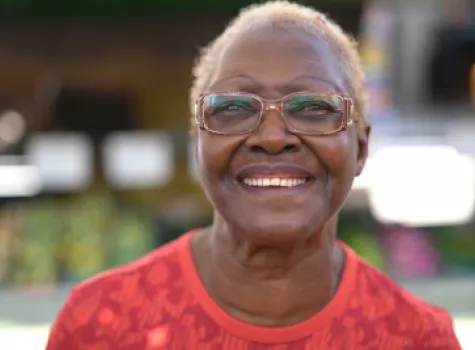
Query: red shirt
x=159, y=302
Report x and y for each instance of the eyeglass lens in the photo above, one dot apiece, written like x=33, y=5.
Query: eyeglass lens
x=237, y=113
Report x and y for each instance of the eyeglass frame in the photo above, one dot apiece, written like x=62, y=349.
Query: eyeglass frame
x=276, y=104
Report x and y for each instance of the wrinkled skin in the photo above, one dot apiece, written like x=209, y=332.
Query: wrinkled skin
x=272, y=64
x=270, y=259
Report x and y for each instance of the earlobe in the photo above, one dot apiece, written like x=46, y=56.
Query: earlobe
x=363, y=134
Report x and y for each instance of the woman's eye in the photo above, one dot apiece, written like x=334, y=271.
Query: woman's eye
x=232, y=107
x=309, y=107
x=316, y=107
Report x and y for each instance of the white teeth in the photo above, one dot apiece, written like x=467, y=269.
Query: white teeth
x=274, y=182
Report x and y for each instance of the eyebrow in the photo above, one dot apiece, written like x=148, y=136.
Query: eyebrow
x=295, y=82
x=237, y=76
x=291, y=86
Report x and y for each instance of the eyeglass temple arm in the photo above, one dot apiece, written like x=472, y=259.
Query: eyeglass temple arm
x=198, y=118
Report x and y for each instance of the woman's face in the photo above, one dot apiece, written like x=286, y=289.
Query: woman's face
x=273, y=63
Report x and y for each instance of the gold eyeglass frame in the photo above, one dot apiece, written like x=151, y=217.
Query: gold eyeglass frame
x=278, y=104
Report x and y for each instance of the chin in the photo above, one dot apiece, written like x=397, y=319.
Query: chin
x=278, y=231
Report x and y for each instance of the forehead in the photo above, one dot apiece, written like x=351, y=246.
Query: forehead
x=276, y=59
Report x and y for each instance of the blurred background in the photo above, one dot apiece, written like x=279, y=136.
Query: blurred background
x=96, y=163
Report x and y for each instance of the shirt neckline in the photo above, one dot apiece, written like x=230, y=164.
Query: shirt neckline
x=267, y=334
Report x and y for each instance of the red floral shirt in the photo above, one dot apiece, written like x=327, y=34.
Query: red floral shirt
x=159, y=302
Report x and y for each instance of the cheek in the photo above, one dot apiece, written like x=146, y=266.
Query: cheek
x=213, y=154
x=206, y=158
x=338, y=156
x=347, y=149
x=203, y=154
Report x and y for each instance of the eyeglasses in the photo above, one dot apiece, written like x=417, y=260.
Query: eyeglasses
x=305, y=113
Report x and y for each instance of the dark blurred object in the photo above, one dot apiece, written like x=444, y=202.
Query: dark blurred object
x=472, y=84
x=449, y=74
x=94, y=112
x=454, y=54
x=458, y=13
x=48, y=10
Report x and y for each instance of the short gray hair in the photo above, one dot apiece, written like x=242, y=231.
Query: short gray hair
x=287, y=15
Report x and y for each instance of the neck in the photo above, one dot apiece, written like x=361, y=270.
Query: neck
x=269, y=286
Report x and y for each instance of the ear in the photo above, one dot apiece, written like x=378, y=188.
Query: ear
x=363, y=134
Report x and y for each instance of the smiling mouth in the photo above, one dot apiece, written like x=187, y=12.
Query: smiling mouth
x=275, y=179
x=273, y=182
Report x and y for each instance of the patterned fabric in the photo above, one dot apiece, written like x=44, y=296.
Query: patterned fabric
x=158, y=302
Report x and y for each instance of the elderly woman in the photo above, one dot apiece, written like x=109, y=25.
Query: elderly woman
x=279, y=116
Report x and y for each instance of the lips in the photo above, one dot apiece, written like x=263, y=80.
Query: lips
x=273, y=176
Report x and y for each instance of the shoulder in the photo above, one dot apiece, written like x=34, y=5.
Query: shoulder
x=428, y=326
x=109, y=296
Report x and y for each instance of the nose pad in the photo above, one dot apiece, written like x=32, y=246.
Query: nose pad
x=272, y=117
x=273, y=109
x=272, y=135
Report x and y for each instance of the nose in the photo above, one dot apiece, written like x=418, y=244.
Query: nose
x=272, y=135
